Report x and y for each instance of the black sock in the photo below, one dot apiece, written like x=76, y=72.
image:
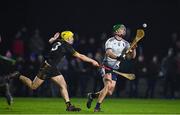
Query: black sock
x=94, y=95
x=98, y=105
x=68, y=103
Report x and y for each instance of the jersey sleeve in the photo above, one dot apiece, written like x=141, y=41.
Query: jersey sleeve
x=70, y=50
x=108, y=45
x=127, y=45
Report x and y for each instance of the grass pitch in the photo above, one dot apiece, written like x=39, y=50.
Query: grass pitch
x=110, y=106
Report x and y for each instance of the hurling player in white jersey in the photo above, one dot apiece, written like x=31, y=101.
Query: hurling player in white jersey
x=114, y=48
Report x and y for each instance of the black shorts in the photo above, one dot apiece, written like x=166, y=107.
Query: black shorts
x=47, y=71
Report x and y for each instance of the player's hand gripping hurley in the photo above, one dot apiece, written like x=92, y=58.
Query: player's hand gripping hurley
x=139, y=35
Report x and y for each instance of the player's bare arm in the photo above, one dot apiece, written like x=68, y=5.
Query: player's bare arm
x=51, y=40
x=86, y=59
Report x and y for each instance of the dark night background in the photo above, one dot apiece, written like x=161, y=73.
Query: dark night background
x=91, y=18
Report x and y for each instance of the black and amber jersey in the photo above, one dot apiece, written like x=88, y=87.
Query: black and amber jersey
x=59, y=50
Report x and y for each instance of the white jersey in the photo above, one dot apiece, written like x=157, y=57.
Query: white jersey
x=118, y=47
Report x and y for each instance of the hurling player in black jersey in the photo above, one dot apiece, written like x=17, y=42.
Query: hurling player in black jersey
x=61, y=46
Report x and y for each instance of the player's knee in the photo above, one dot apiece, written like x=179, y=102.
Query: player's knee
x=108, y=86
x=110, y=92
x=33, y=87
x=62, y=86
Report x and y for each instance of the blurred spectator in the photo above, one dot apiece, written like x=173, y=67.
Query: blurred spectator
x=177, y=46
x=24, y=31
x=177, y=79
x=175, y=42
x=32, y=66
x=72, y=79
x=168, y=67
x=8, y=54
x=18, y=86
x=140, y=70
x=0, y=39
x=98, y=84
x=82, y=45
x=36, y=43
x=18, y=45
x=2, y=48
x=6, y=65
x=153, y=72
x=91, y=45
x=103, y=37
x=102, y=40
x=82, y=77
x=25, y=36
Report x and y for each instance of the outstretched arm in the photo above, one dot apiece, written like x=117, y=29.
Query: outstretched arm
x=86, y=59
x=51, y=40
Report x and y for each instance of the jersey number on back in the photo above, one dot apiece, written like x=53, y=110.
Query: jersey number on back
x=55, y=46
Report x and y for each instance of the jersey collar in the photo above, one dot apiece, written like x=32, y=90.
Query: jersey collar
x=118, y=39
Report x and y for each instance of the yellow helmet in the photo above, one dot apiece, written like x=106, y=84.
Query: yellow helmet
x=65, y=35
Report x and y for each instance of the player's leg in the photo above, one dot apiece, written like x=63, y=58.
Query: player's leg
x=59, y=80
x=109, y=86
x=15, y=74
x=113, y=84
x=5, y=89
x=107, y=80
x=5, y=84
x=102, y=94
x=31, y=84
x=8, y=95
x=91, y=96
